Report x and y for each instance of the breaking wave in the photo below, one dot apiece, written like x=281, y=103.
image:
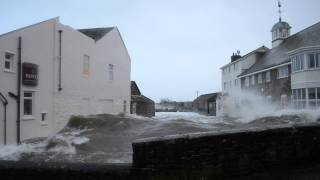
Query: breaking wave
x=107, y=138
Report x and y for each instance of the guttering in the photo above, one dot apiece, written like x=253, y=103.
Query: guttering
x=5, y=103
x=264, y=70
x=60, y=60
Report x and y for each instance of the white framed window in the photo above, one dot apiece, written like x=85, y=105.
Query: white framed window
x=313, y=60
x=111, y=72
x=283, y=72
x=28, y=103
x=268, y=76
x=260, y=78
x=297, y=62
x=247, y=81
x=299, y=98
x=8, y=61
x=86, y=65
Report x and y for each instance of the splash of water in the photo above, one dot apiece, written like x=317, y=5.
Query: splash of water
x=248, y=106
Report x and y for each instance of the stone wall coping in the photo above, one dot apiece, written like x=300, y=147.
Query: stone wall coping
x=224, y=132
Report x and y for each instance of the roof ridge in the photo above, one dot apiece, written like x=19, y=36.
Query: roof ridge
x=307, y=28
x=25, y=27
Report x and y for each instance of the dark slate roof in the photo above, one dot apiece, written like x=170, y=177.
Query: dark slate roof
x=278, y=55
x=135, y=88
x=206, y=96
x=141, y=98
x=96, y=33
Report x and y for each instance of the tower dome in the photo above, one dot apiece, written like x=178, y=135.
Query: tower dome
x=281, y=25
x=280, y=31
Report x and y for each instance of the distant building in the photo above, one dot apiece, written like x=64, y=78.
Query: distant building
x=206, y=104
x=50, y=71
x=167, y=105
x=140, y=104
x=287, y=74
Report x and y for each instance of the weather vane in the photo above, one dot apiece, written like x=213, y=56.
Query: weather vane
x=279, y=5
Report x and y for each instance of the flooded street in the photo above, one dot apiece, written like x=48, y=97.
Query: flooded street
x=108, y=138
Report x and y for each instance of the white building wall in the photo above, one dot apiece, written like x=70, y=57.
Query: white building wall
x=81, y=94
x=37, y=47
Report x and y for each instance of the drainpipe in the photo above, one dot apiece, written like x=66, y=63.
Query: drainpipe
x=19, y=91
x=5, y=103
x=60, y=59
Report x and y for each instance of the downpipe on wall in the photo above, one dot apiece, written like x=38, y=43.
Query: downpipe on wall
x=60, y=60
x=5, y=103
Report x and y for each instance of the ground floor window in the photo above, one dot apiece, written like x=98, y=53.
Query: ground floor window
x=306, y=97
x=28, y=98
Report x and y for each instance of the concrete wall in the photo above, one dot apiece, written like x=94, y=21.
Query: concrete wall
x=230, y=154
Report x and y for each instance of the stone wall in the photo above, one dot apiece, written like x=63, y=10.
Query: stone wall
x=233, y=154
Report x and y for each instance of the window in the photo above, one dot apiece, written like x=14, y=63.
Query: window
x=28, y=103
x=225, y=85
x=125, y=106
x=111, y=75
x=229, y=69
x=311, y=61
x=86, y=65
x=283, y=72
x=230, y=84
x=312, y=93
x=8, y=61
x=297, y=62
x=312, y=97
x=247, y=82
x=260, y=78
x=252, y=80
x=268, y=77
x=299, y=98
x=235, y=82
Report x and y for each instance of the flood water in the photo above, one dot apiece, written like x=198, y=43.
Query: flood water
x=108, y=138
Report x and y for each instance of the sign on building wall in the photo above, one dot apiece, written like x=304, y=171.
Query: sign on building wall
x=29, y=74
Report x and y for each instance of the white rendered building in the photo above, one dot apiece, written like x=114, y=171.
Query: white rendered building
x=63, y=72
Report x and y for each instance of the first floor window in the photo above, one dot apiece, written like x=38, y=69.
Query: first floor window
x=297, y=62
x=8, y=61
x=283, y=72
x=111, y=75
x=86, y=65
x=311, y=61
x=28, y=103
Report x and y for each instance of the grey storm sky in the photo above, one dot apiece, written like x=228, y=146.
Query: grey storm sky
x=176, y=46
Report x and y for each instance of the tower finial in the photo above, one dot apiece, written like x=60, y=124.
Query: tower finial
x=279, y=5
